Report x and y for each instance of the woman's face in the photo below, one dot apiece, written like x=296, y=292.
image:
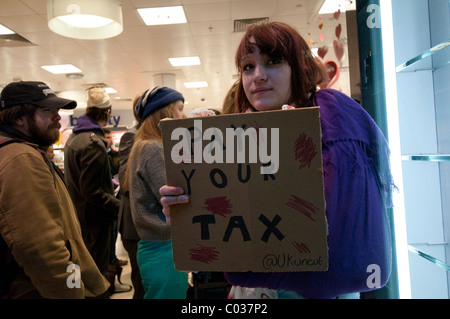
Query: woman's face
x=266, y=81
x=178, y=112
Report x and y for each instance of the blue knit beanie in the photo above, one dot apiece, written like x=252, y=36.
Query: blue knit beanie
x=156, y=99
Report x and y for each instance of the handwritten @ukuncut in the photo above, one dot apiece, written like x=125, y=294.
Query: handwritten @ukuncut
x=287, y=260
x=222, y=147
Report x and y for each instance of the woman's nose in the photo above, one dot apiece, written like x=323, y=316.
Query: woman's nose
x=260, y=73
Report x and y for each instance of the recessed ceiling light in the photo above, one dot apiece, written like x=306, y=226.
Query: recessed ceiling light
x=162, y=15
x=4, y=30
x=61, y=68
x=193, y=85
x=193, y=60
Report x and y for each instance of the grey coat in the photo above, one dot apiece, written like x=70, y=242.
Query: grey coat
x=148, y=175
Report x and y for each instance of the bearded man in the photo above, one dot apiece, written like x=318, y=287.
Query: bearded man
x=42, y=252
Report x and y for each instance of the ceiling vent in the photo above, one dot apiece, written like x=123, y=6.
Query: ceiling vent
x=242, y=24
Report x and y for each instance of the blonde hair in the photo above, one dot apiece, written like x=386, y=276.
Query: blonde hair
x=229, y=103
x=148, y=131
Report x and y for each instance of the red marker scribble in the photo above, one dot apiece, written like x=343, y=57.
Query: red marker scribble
x=304, y=150
x=302, y=248
x=218, y=205
x=204, y=254
x=303, y=206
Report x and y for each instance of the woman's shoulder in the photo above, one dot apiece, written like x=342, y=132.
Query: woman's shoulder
x=153, y=145
x=332, y=96
x=152, y=148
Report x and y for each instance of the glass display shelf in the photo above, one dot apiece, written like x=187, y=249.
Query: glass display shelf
x=430, y=258
x=427, y=158
x=417, y=60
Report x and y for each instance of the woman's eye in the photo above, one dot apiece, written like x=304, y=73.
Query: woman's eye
x=275, y=61
x=247, y=67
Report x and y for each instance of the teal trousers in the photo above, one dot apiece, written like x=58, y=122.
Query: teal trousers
x=159, y=277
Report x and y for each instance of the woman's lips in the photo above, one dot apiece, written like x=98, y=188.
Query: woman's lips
x=260, y=90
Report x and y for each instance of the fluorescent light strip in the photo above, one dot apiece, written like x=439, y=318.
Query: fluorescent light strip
x=162, y=15
x=193, y=85
x=61, y=68
x=4, y=30
x=193, y=60
x=390, y=82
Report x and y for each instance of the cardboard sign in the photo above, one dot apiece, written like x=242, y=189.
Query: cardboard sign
x=255, y=183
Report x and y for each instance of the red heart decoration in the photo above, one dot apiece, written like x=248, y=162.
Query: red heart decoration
x=333, y=72
x=322, y=51
x=338, y=31
x=337, y=14
x=338, y=50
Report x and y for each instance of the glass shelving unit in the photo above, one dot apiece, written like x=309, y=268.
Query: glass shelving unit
x=422, y=52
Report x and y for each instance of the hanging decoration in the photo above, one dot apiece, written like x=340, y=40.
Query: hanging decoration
x=332, y=67
x=337, y=14
x=322, y=51
x=338, y=31
x=338, y=50
x=333, y=72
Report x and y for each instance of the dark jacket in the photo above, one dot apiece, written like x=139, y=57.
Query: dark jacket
x=125, y=223
x=87, y=174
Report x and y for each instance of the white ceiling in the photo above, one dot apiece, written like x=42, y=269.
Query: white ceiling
x=129, y=61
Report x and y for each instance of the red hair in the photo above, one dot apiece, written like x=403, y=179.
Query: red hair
x=281, y=41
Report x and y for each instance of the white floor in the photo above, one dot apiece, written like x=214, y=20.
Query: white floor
x=122, y=254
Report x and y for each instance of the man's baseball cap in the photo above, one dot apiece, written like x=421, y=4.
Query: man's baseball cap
x=32, y=92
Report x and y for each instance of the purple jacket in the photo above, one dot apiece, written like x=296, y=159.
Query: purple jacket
x=357, y=185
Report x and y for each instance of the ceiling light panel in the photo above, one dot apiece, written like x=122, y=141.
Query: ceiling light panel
x=61, y=68
x=193, y=60
x=331, y=6
x=194, y=85
x=162, y=15
x=110, y=90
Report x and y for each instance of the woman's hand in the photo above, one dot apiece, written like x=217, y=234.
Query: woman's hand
x=171, y=195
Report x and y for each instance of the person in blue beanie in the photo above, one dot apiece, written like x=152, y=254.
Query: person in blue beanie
x=144, y=176
x=276, y=67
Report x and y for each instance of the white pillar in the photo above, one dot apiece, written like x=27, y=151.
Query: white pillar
x=165, y=79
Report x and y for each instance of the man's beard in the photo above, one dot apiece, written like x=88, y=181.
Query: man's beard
x=44, y=137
